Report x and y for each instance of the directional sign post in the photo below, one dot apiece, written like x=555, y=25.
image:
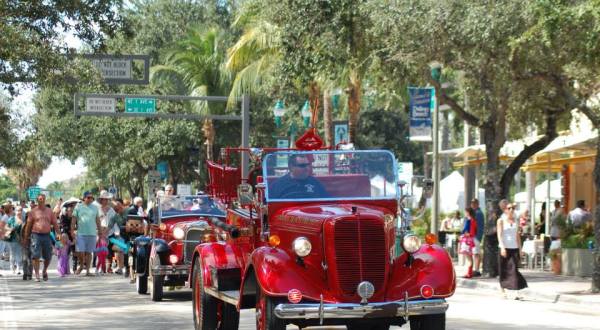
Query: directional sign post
x=140, y=105
x=33, y=192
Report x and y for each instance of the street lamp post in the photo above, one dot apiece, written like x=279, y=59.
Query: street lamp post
x=306, y=114
x=436, y=73
x=279, y=110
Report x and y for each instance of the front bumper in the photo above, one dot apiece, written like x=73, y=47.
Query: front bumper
x=353, y=311
x=170, y=270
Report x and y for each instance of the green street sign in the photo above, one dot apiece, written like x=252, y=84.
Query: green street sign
x=57, y=194
x=33, y=192
x=140, y=105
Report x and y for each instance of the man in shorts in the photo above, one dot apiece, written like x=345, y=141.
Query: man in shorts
x=37, y=233
x=87, y=221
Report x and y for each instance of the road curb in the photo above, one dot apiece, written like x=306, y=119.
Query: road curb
x=528, y=293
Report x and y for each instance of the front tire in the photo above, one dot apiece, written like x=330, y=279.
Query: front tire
x=428, y=322
x=230, y=318
x=265, y=316
x=204, y=305
x=156, y=293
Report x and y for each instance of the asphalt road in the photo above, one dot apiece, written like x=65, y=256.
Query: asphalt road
x=110, y=302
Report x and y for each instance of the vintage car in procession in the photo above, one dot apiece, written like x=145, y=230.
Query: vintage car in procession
x=315, y=246
x=177, y=225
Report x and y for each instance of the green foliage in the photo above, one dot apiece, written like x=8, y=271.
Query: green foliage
x=7, y=189
x=576, y=241
x=31, y=45
x=381, y=129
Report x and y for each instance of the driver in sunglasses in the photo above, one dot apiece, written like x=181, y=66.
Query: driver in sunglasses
x=298, y=182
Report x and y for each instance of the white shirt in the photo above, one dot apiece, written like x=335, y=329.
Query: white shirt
x=509, y=233
x=579, y=216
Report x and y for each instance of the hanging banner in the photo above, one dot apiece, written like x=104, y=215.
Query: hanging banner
x=422, y=102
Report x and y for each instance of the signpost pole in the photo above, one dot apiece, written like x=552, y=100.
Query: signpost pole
x=435, y=212
x=245, y=133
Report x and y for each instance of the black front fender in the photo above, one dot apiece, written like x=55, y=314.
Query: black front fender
x=142, y=254
x=162, y=249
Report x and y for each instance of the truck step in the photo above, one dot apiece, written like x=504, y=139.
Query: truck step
x=229, y=296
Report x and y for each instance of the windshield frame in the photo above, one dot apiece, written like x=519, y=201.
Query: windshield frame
x=265, y=169
x=187, y=213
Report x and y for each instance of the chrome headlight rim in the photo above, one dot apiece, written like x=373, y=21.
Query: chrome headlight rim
x=411, y=243
x=302, y=246
x=178, y=233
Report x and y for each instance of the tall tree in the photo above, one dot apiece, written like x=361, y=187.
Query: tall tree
x=31, y=42
x=561, y=49
x=474, y=38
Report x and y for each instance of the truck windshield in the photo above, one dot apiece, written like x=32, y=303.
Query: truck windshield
x=176, y=206
x=330, y=175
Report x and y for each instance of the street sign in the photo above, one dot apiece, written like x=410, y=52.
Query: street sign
x=100, y=104
x=140, y=105
x=154, y=181
x=33, y=192
x=405, y=172
x=112, y=190
x=282, y=160
x=340, y=132
x=184, y=189
x=113, y=68
x=163, y=169
x=122, y=69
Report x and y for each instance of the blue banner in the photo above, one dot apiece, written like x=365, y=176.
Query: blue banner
x=163, y=169
x=422, y=102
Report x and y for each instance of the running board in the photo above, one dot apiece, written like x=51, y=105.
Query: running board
x=230, y=296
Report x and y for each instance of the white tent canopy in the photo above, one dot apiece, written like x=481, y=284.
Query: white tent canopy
x=452, y=193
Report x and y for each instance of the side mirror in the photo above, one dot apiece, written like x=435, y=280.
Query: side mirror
x=245, y=194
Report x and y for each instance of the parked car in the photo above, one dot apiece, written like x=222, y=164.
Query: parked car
x=320, y=251
x=178, y=224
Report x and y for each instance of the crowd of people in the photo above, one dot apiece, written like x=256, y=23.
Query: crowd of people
x=511, y=230
x=87, y=232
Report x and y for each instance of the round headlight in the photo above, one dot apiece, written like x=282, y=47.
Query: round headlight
x=411, y=243
x=302, y=246
x=178, y=233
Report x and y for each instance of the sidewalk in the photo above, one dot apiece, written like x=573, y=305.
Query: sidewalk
x=543, y=286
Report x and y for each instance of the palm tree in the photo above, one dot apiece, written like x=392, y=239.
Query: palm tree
x=253, y=58
x=195, y=67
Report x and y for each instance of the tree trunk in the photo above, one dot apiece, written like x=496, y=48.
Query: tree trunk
x=208, y=129
x=596, y=273
x=493, y=194
x=327, y=118
x=354, y=93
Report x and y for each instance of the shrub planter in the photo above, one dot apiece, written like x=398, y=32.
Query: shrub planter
x=577, y=262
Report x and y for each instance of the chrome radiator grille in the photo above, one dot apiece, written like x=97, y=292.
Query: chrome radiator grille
x=360, y=253
x=193, y=237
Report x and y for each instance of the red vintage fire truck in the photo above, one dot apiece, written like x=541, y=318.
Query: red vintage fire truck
x=311, y=241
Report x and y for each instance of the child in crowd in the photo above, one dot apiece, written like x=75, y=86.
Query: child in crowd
x=101, y=253
x=467, y=240
x=62, y=251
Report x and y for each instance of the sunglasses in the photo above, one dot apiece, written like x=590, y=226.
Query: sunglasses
x=89, y=197
x=511, y=207
x=302, y=165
